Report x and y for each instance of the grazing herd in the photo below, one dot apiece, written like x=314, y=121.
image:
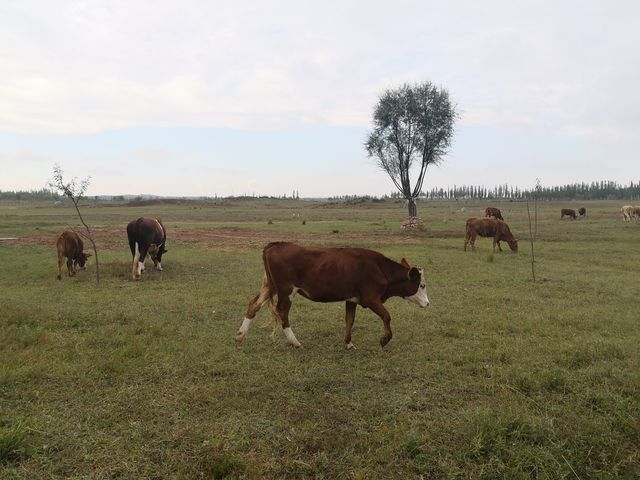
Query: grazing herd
x=356, y=276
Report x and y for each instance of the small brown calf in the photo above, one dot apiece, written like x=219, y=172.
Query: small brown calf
x=70, y=245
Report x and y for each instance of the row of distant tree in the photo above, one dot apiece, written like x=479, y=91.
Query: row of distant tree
x=602, y=190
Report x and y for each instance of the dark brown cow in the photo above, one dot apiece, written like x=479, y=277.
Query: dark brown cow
x=493, y=212
x=568, y=212
x=146, y=235
x=69, y=245
x=582, y=212
x=355, y=276
x=489, y=227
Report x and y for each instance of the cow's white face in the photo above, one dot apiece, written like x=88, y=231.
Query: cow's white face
x=420, y=298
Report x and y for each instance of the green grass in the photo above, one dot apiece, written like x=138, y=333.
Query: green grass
x=500, y=378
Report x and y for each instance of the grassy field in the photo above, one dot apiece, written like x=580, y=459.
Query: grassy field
x=500, y=378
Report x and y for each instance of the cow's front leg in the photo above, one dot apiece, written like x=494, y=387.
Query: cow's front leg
x=283, y=307
x=350, y=316
x=382, y=312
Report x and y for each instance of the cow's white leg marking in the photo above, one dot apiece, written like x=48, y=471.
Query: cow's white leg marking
x=159, y=266
x=136, y=259
x=293, y=293
x=244, y=328
x=291, y=338
x=351, y=346
x=140, y=268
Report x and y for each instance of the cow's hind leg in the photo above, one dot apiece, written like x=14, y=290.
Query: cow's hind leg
x=350, y=316
x=282, y=308
x=254, y=306
x=72, y=271
x=60, y=263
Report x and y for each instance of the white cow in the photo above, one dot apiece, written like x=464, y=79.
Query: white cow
x=627, y=211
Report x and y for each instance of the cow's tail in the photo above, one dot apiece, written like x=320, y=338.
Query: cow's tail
x=270, y=286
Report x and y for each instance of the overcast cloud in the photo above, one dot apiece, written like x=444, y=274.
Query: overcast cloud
x=562, y=75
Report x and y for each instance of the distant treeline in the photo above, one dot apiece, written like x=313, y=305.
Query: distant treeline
x=602, y=190
x=42, y=194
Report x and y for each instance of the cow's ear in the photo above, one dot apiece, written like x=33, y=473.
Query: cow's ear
x=404, y=262
x=414, y=273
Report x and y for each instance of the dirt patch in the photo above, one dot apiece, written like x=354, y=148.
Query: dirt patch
x=239, y=239
x=159, y=201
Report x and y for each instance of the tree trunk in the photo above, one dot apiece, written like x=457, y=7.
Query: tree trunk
x=413, y=208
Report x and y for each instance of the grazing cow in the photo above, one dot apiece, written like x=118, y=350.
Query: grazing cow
x=70, y=245
x=582, y=212
x=146, y=235
x=489, y=227
x=567, y=212
x=493, y=212
x=356, y=276
x=627, y=212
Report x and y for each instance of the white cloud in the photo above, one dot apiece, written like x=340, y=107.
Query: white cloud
x=71, y=67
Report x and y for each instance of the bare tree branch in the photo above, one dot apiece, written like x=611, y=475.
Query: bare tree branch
x=75, y=192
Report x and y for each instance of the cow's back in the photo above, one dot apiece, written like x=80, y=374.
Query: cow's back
x=485, y=227
x=147, y=230
x=324, y=274
x=69, y=244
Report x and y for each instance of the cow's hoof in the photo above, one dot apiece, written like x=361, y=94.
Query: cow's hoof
x=351, y=346
x=239, y=338
x=384, y=340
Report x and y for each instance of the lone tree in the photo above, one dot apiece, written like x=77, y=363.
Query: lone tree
x=74, y=191
x=413, y=127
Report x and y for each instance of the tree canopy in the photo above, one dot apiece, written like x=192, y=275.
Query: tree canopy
x=413, y=127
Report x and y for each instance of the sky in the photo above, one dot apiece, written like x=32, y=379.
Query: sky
x=252, y=97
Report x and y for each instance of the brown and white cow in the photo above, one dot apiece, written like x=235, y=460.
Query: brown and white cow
x=568, y=212
x=493, y=212
x=582, y=212
x=489, y=227
x=69, y=245
x=356, y=276
x=146, y=235
x=627, y=212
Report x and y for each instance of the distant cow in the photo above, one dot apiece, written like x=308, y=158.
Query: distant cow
x=582, y=212
x=355, y=276
x=489, y=227
x=635, y=213
x=627, y=212
x=493, y=212
x=146, y=235
x=69, y=245
x=568, y=212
